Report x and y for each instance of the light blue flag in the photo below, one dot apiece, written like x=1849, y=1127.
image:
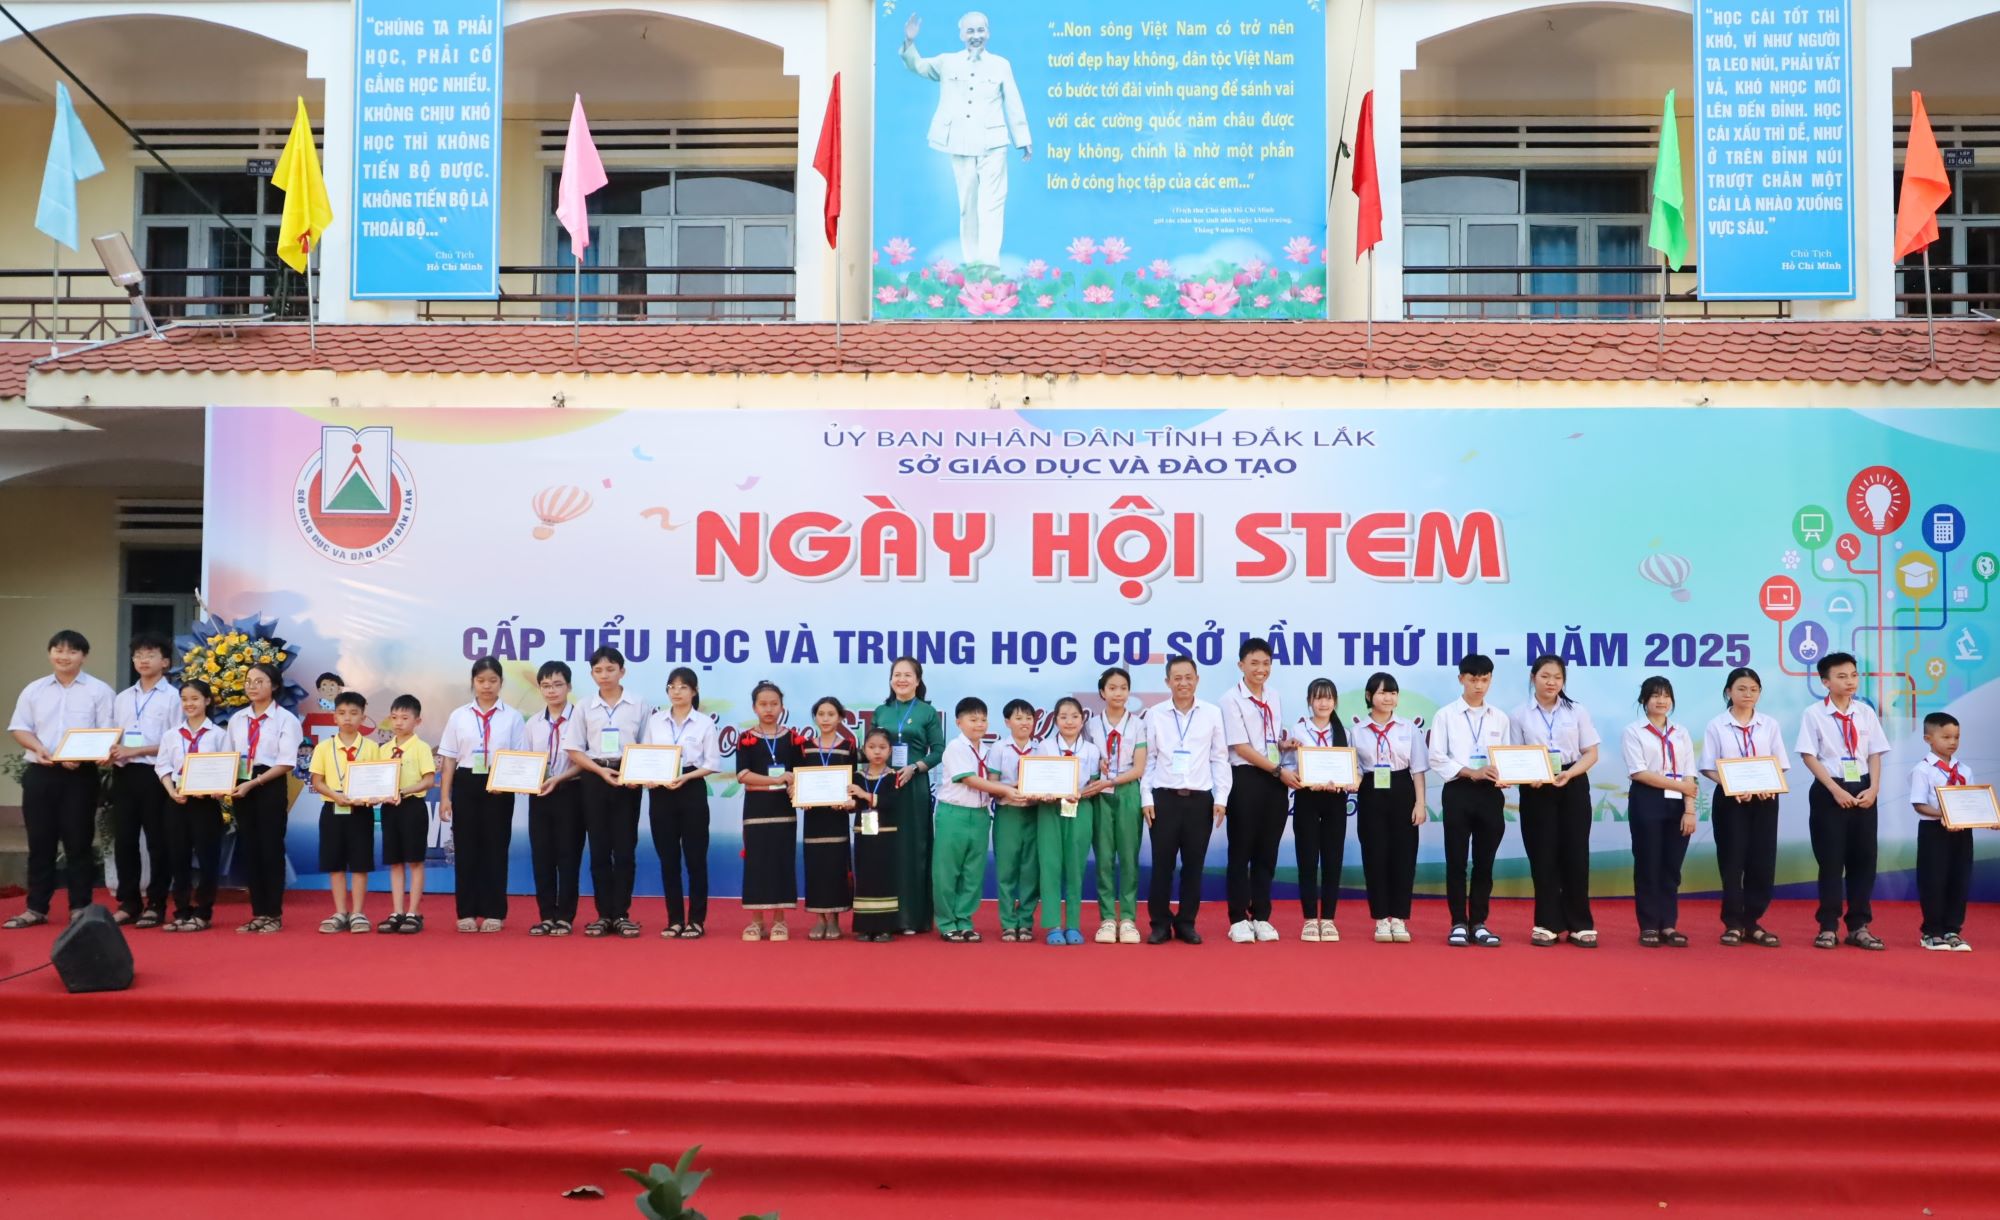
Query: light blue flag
x=72, y=158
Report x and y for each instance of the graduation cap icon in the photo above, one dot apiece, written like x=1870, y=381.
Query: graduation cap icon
x=1916, y=574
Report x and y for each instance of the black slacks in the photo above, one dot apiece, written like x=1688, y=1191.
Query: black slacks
x=261, y=821
x=1843, y=843
x=1944, y=876
x=482, y=830
x=555, y=846
x=138, y=807
x=194, y=846
x=1555, y=832
x=1255, y=825
x=679, y=818
x=1182, y=823
x=59, y=807
x=1475, y=817
x=1746, y=851
x=1388, y=843
x=611, y=823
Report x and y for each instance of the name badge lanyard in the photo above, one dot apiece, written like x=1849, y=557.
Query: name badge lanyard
x=1478, y=732
x=340, y=772
x=139, y=715
x=825, y=753
x=1549, y=723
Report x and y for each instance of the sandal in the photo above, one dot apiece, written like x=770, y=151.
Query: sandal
x=673, y=931
x=627, y=928
x=693, y=931
x=256, y=924
x=1586, y=939
x=492, y=925
x=1732, y=937
x=412, y=924
x=780, y=932
x=333, y=923
x=753, y=931
x=120, y=917
x=194, y=923
x=1827, y=940
x=541, y=929
x=1541, y=936
x=560, y=927
x=816, y=932
x=1862, y=938
x=358, y=922
x=149, y=919
x=468, y=924
x=1674, y=939
x=1758, y=936
x=1650, y=939
x=26, y=919
x=173, y=925
x=832, y=932
x=1485, y=938
x=598, y=927
x=391, y=925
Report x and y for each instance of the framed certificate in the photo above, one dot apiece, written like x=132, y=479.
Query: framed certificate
x=86, y=745
x=1521, y=764
x=817, y=787
x=1758, y=775
x=1329, y=766
x=1969, y=807
x=517, y=771
x=372, y=783
x=209, y=774
x=1050, y=776
x=649, y=764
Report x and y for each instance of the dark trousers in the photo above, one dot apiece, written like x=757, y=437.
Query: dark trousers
x=1182, y=822
x=611, y=822
x=555, y=845
x=1319, y=839
x=60, y=809
x=1746, y=850
x=1944, y=876
x=1256, y=826
x=1658, y=847
x=261, y=819
x=138, y=807
x=1388, y=843
x=1843, y=843
x=1555, y=832
x=1475, y=816
x=482, y=832
x=194, y=845
x=680, y=837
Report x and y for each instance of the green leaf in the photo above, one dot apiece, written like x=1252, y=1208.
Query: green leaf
x=662, y=1172
x=765, y=1216
x=691, y=1182
x=666, y=1198
x=644, y=1179
x=687, y=1161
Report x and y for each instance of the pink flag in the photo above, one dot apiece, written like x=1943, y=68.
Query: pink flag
x=582, y=174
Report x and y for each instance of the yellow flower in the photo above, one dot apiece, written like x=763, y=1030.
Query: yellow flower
x=283, y=657
x=212, y=667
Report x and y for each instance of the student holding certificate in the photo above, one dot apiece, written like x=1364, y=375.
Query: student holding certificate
x=1555, y=817
x=555, y=814
x=193, y=823
x=1319, y=815
x=58, y=799
x=1063, y=831
x=1016, y=860
x=406, y=821
x=1389, y=809
x=1944, y=855
x=1841, y=742
x=346, y=827
x=611, y=720
x=267, y=738
x=1745, y=825
x=766, y=756
x=679, y=807
x=1659, y=755
x=916, y=748
x=482, y=822
x=144, y=712
x=829, y=867
x=875, y=898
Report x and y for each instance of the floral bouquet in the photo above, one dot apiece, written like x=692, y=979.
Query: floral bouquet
x=221, y=653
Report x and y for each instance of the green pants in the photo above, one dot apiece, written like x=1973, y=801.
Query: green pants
x=958, y=865
x=1117, y=820
x=1063, y=844
x=1014, y=861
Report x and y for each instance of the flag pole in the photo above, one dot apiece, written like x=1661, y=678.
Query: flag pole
x=55, y=290
x=312, y=310
x=1371, y=300
x=576, y=305
x=1930, y=315
x=1666, y=269
x=837, y=311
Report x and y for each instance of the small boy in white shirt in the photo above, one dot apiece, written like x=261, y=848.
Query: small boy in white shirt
x=1944, y=855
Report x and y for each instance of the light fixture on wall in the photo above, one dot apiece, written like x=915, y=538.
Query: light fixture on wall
x=119, y=263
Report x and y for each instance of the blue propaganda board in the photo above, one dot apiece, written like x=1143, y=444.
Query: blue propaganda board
x=1774, y=149
x=1126, y=158
x=427, y=149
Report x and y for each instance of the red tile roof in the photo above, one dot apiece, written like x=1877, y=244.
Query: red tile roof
x=1508, y=351
x=15, y=357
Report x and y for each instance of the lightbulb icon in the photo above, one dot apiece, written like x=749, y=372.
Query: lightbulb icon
x=1878, y=500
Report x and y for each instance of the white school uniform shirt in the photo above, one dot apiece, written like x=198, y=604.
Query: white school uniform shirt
x=1244, y=723
x=549, y=734
x=1131, y=739
x=465, y=736
x=175, y=748
x=1460, y=731
x=1198, y=731
x=1725, y=738
x=1304, y=733
x=628, y=716
x=277, y=741
x=1823, y=737
x=1568, y=730
x=962, y=758
x=48, y=709
x=1929, y=775
x=1645, y=750
x=696, y=736
x=153, y=713
x=1408, y=751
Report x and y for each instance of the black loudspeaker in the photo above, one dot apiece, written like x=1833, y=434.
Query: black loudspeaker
x=90, y=955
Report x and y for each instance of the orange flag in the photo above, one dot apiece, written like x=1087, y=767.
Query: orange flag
x=1925, y=185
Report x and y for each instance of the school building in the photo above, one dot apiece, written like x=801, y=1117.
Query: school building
x=1515, y=141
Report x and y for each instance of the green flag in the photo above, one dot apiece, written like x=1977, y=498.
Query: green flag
x=1669, y=232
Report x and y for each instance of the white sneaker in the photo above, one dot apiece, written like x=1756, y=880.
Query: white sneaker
x=1241, y=932
x=1310, y=931
x=1128, y=932
x=1400, y=931
x=1107, y=932
x=1328, y=934
x=1957, y=943
x=1264, y=931
x=1935, y=943
x=1385, y=931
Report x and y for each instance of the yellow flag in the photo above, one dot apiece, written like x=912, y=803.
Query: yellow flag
x=307, y=213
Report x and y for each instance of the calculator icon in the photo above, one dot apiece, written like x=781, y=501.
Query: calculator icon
x=1944, y=529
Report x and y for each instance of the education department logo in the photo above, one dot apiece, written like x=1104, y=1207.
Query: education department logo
x=354, y=499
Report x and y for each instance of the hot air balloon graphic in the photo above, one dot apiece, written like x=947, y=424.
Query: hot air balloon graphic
x=1668, y=571
x=555, y=505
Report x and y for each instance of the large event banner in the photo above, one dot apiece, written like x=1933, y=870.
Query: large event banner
x=427, y=149
x=1164, y=159
x=1774, y=149
x=1020, y=553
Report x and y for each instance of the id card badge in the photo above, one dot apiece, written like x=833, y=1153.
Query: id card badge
x=1556, y=761
x=777, y=771
x=1673, y=797
x=1478, y=760
x=607, y=743
x=242, y=767
x=134, y=740
x=1271, y=753
x=899, y=755
x=1382, y=773
x=479, y=762
x=1181, y=761
x=1850, y=770
x=871, y=822
x=1068, y=808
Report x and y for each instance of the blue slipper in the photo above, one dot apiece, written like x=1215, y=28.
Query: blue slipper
x=1072, y=937
x=1056, y=937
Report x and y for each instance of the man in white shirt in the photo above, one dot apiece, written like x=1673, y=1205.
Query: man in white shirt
x=59, y=799
x=979, y=117
x=145, y=713
x=1475, y=809
x=1258, y=801
x=1184, y=794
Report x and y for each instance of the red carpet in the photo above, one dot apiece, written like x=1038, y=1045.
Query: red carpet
x=305, y=1076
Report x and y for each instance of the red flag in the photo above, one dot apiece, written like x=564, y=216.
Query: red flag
x=1368, y=223
x=827, y=161
x=1925, y=185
